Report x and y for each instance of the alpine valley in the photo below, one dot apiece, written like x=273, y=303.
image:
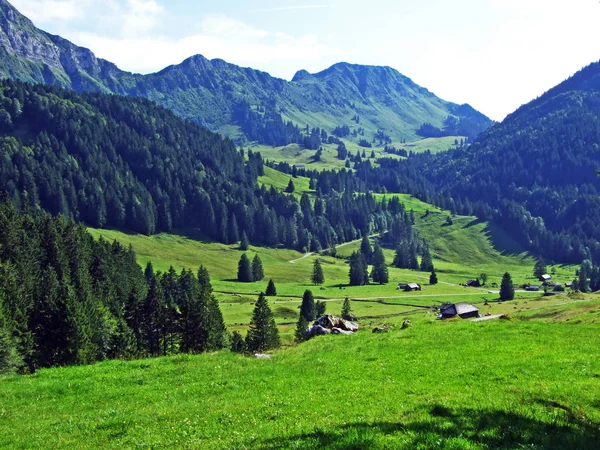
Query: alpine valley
x=212, y=257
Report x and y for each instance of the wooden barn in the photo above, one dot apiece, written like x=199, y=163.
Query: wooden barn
x=462, y=310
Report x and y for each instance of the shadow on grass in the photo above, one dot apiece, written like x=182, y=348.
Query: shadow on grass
x=460, y=428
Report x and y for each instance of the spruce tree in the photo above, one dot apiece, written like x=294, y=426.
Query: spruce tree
x=540, y=268
x=317, y=276
x=320, y=308
x=257, y=269
x=301, y=327
x=263, y=333
x=583, y=283
x=358, y=270
x=507, y=290
x=244, y=273
x=380, y=272
x=244, y=243
x=366, y=249
x=204, y=278
x=9, y=358
x=426, y=261
x=347, y=310
x=271, y=289
x=307, y=308
x=238, y=345
x=433, y=278
x=290, y=187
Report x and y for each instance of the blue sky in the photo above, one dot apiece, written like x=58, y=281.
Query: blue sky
x=493, y=54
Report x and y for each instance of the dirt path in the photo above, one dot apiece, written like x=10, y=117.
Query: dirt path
x=308, y=255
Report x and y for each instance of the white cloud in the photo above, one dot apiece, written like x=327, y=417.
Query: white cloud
x=45, y=11
x=290, y=8
x=219, y=37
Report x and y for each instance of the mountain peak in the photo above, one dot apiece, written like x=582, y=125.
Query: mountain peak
x=301, y=75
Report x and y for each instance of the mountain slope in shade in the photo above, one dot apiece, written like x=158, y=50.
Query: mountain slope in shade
x=536, y=169
x=210, y=92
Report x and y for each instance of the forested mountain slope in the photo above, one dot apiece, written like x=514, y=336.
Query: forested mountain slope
x=225, y=97
x=536, y=171
x=112, y=161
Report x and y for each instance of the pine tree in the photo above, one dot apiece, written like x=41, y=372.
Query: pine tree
x=244, y=243
x=149, y=272
x=358, y=270
x=204, y=278
x=426, y=261
x=263, y=333
x=540, y=268
x=307, y=308
x=507, y=290
x=290, y=187
x=347, y=310
x=433, y=278
x=301, y=328
x=244, y=273
x=366, y=249
x=10, y=361
x=380, y=272
x=271, y=289
x=320, y=308
x=583, y=283
x=238, y=345
x=257, y=269
x=317, y=276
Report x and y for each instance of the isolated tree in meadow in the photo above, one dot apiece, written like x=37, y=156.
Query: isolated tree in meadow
x=320, y=308
x=507, y=290
x=426, y=260
x=317, y=276
x=307, y=308
x=366, y=249
x=347, y=310
x=301, y=327
x=583, y=283
x=271, y=289
x=540, y=268
x=433, y=279
x=263, y=333
x=483, y=277
x=358, y=270
x=380, y=272
x=244, y=243
x=290, y=187
x=257, y=269
x=244, y=273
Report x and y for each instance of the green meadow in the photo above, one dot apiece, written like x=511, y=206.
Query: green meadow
x=529, y=382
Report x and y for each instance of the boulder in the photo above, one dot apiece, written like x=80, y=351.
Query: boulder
x=329, y=321
x=335, y=330
x=407, y=323
x=316, y=330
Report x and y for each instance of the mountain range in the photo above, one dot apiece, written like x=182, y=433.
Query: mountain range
x=211, y=92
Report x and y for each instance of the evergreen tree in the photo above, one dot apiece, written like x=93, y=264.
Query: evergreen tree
x=433, y=279
x=307, y=308
x=271, y=289
x=263, y=333
x=244, y=273
x=301, y=328
x=347, y=310
x=320, y=308
x=507, y=290
x=366, y=249
x=238, y=345
x=583, y=283
x=290, y=187
x=204, y=278
x=149, y=272
x=426, y=261
x=317, y=276
x=380, y=270
x=540, y=268
x=244, y=243
x=358, y=270
x=10, y=360
x=257, y=269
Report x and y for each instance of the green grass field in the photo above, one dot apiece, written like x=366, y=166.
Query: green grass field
x=530, y=382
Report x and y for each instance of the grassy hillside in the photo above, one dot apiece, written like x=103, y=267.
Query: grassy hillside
x=451, y=384
x=295, y=154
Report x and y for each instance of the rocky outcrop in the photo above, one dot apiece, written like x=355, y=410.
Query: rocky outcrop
x=329, y=324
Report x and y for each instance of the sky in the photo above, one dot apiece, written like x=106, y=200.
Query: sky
x=493, y=54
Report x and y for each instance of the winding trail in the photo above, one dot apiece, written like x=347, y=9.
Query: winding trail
x=308, y=255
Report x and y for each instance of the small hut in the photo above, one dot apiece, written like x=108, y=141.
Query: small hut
x=462, y=310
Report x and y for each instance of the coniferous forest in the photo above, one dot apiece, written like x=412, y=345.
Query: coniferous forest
x=129, y=164
x=66, y=298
